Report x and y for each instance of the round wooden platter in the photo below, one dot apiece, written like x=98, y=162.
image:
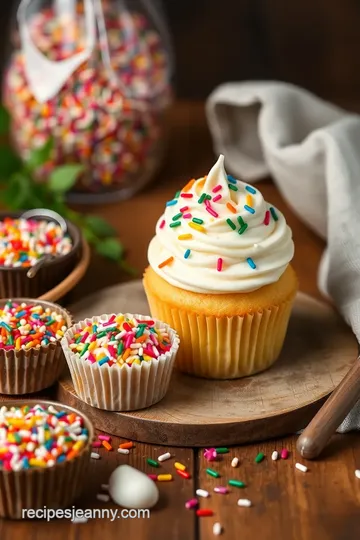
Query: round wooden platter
x=318, y=351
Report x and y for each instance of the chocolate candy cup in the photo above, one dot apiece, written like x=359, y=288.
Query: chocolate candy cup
x=52, y=487
x=26, y=372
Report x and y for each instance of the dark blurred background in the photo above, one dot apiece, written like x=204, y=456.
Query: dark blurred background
x=313, y=43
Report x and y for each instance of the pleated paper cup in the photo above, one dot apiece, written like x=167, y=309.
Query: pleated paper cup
x=116, y=388
x=51, y=487
x=225, y=347
x=32, y=370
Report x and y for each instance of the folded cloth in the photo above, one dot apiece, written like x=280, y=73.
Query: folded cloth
x=312, y=150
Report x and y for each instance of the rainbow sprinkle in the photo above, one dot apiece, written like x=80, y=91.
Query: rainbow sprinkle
x=231, y=179
x=39, y=437
x=251, y=263
x=119, y=341
x=231, y=224
x=23, y=326
x=205, y=224
x=24, y=241
x=166, y=262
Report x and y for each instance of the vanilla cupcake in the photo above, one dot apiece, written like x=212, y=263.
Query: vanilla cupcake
x=219, y=274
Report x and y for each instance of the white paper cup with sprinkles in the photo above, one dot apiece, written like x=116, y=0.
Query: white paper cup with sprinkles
x=45, y=452
x=120, y=362
x=31, y=357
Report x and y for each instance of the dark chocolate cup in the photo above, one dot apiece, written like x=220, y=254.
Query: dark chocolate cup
x=14, y=281
x=52, y=487
x=26, y=372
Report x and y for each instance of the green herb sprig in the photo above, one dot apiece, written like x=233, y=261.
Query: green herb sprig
x=20, y=191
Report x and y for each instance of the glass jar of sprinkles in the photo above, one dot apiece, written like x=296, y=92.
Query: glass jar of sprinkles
x=95, y=75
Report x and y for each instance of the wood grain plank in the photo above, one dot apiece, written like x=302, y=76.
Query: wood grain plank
x=178, y=524
x=321, y=503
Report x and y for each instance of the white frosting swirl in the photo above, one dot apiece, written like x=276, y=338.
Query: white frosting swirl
x=268, y=247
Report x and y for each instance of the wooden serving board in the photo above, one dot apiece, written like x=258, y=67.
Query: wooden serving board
x=318, y=351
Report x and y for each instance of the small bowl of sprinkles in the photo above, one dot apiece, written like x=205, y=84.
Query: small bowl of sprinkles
x=45, y=451
x=31, y=357
x=26, y=242
x=120, y=362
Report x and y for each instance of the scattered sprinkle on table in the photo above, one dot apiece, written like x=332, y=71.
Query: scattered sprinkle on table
x=152, y=462
x=32, y=437
x=217, y=529
x=202, y=493
x=192, y=503
x=259, y=458
x=213, y=473
x=164, y=477
x=284, y=453
x=183, y=474
x=357, y=473
x=94, y=455
x=210, y=454
x=179, y=466
x=235, y=462
x=102, y=497
x=24, y=241
x=164, y=457
x=204, y=512
x=120, y=341
x=237, y=483
x=301, y=467
x=275, y=455
x=123, y=451
x=23, y=326
x=126, y=445
x=221, y=489
x=222, y=450
x=244, y=502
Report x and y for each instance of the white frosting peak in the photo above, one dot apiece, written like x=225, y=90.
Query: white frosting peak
x=237, y=243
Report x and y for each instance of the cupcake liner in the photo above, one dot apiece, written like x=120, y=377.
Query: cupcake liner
x=52, y=487
x=225, y=347
x=26, y=372
x=14, y=281
x=120, y=389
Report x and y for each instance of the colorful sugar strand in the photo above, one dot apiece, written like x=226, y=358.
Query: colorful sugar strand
x=122, y=340
x=25, y=326
x=34, y=437
x=200, y=222
x=24, y=241
x=114, y=133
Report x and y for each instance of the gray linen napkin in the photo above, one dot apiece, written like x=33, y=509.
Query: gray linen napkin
x=312, y=150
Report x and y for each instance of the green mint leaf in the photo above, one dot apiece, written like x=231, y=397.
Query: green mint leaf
x=41, y=155
x=5, y=121
x=10, y=163
x=64, y=178
x=110, y=248
x=99, y=226
x=18, y=193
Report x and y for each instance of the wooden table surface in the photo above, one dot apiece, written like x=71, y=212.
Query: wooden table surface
x=322, y=504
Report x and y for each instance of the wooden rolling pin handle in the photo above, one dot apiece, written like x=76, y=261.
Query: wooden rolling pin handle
x=317, y=434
